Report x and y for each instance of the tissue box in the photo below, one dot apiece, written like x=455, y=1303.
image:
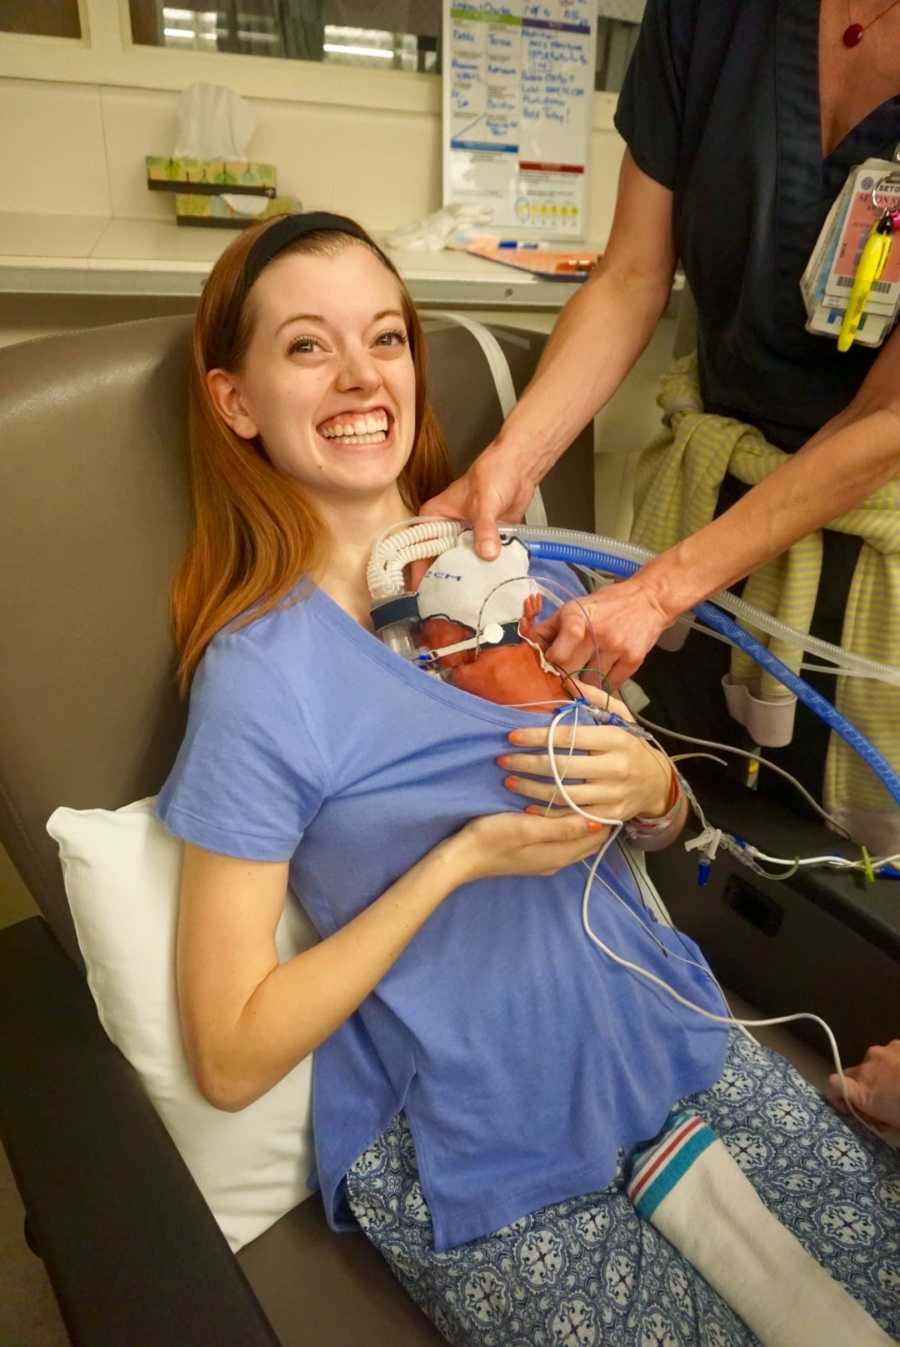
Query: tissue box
x=235, y=176
x=216, y=211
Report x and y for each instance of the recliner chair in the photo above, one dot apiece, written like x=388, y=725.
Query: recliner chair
x=93, y=518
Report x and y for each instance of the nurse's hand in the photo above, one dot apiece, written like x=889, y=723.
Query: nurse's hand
x=609, y=631
x=873, y=1087
x=498, y=485
x=620, y=777
x=517, y=844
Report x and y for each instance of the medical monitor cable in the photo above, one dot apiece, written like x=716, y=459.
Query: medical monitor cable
x=742, y=753
x=616, y=826
x=721, y=1019
x=741, y=1024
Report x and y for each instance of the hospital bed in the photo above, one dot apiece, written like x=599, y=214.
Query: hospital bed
x=93, y=518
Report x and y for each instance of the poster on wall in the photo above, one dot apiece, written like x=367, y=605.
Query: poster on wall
x=518, y=95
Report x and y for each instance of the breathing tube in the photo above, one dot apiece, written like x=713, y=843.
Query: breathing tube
x=395, y=612
x=712, y=616
x=755, y=617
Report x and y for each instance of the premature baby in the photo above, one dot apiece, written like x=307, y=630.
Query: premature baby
x=459, y=592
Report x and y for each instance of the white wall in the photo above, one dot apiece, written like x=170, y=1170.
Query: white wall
x=79, y=149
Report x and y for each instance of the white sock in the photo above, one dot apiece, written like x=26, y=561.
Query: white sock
x=690, y=1189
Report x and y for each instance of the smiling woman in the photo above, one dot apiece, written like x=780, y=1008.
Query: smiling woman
x=313, y=386
x=480, y=1074
x=308, y=393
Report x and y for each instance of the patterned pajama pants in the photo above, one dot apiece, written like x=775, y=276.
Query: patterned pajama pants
x=589, y=1271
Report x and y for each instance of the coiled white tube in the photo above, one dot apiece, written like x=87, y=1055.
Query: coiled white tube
x=393, y=551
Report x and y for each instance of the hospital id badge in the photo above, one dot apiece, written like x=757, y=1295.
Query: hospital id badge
x=851, y=285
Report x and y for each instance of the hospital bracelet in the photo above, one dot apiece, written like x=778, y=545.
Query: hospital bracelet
x=642, y=829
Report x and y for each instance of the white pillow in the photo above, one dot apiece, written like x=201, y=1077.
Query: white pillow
x=122, y=871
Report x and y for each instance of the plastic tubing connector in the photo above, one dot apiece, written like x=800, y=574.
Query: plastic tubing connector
x=713, y=617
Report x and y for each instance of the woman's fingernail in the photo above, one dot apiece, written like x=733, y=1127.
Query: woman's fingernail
x=514, y=737
x=595, y=827
x=503, y=762
x=510, y=783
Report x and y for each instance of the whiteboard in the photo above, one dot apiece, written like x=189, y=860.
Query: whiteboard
x=518, y=91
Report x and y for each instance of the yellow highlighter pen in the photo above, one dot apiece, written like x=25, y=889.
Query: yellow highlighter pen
x=872, y=262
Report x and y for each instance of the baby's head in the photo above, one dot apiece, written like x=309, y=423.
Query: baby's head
x=461, y=596
x=512, y=674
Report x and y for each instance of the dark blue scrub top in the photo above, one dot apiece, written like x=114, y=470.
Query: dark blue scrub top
x=721, y=105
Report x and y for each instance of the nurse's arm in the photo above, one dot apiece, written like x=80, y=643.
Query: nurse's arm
x=853, y=455
x=599, y=335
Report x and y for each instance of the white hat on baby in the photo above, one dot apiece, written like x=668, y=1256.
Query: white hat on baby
x=460, y=586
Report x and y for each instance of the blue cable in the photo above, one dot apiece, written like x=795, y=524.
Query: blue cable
x=716, y=619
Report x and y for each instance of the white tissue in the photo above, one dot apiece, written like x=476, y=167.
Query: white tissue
x=433, y=232
x=245, y=205
x=213, y=123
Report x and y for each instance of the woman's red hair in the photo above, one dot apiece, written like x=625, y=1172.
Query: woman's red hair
x=255, y=535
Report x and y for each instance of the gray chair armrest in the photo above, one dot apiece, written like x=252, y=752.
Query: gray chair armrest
x=131, y=1249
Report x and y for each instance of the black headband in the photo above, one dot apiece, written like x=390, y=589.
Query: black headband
x=277, y=237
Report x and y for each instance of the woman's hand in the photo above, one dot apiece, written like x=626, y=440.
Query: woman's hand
x=517, y=844
x=610, y=630
x=873, y=1087
x=618, y=776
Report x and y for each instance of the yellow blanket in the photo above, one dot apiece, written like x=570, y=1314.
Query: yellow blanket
x=677, y=486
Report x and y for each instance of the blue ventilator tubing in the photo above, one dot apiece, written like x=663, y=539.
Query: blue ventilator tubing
x=714, y=617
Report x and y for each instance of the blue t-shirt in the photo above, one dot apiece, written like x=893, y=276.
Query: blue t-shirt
x=523, y=1057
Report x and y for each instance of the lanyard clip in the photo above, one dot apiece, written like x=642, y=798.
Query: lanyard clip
x=871, y=265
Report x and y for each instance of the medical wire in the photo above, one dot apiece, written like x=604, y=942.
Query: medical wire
x=835, y=670
x=721, y=1019
x=745, y=852
x=838, y=673
x=549, y=701
x=668, y=953
x=740, y=1024
x=838, y=862
x=750, y=855
x=548, y=590
x=551, y=752
x=743, y=753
